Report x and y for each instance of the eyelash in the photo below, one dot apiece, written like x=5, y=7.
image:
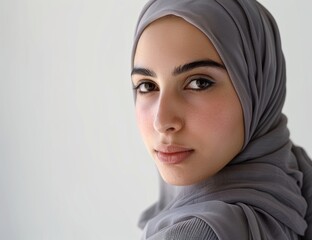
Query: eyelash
x=142, y=83
x=208, y=83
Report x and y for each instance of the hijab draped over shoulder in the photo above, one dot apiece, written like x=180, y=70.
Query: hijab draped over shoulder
x=265, y=192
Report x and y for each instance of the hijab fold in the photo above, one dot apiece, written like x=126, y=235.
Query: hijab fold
x=265, y=192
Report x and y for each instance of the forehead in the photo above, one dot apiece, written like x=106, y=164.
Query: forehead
x=172, y=39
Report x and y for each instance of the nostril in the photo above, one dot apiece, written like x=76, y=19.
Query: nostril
x=170, y=129
x=168, y=125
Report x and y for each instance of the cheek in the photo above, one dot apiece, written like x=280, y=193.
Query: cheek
x=144, y=117
x=221, y=121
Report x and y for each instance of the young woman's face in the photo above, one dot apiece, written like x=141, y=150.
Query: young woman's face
x=187, y=110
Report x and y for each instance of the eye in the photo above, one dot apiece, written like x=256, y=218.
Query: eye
x=199, y=83
x=146, y=87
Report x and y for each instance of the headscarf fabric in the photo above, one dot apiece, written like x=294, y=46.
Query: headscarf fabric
x=265, y=192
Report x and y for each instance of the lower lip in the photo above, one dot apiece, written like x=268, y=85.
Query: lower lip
x=173, y=158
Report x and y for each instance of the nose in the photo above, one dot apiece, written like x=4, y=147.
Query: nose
x=168, y=117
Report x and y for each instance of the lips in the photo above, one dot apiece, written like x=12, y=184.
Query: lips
x=172, y=154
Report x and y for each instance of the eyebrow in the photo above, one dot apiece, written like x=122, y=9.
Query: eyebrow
x=180, y=69
x=202, y=63
x=143, y=71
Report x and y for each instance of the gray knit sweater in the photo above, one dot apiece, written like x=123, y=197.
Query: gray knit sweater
x=192, y=229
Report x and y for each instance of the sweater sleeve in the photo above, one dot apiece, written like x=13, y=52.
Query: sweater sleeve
x=195, y=229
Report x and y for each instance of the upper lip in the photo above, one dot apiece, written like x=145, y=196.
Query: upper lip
x=170, y=148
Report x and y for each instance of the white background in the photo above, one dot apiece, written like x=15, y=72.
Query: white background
x=72, y=164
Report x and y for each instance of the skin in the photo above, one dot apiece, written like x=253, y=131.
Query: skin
x=191, y=121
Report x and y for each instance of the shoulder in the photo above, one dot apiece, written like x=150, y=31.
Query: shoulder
x=193, y=228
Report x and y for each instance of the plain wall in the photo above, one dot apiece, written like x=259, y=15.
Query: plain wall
x=72, y=164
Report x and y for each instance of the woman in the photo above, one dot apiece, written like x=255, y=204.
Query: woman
x=209, y=82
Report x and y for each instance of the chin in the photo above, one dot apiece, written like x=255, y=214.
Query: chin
x=182, y=180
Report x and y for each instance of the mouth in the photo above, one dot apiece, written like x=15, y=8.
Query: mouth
x=171, y=154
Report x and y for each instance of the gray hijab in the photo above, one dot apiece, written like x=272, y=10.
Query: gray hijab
x=266, y=190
